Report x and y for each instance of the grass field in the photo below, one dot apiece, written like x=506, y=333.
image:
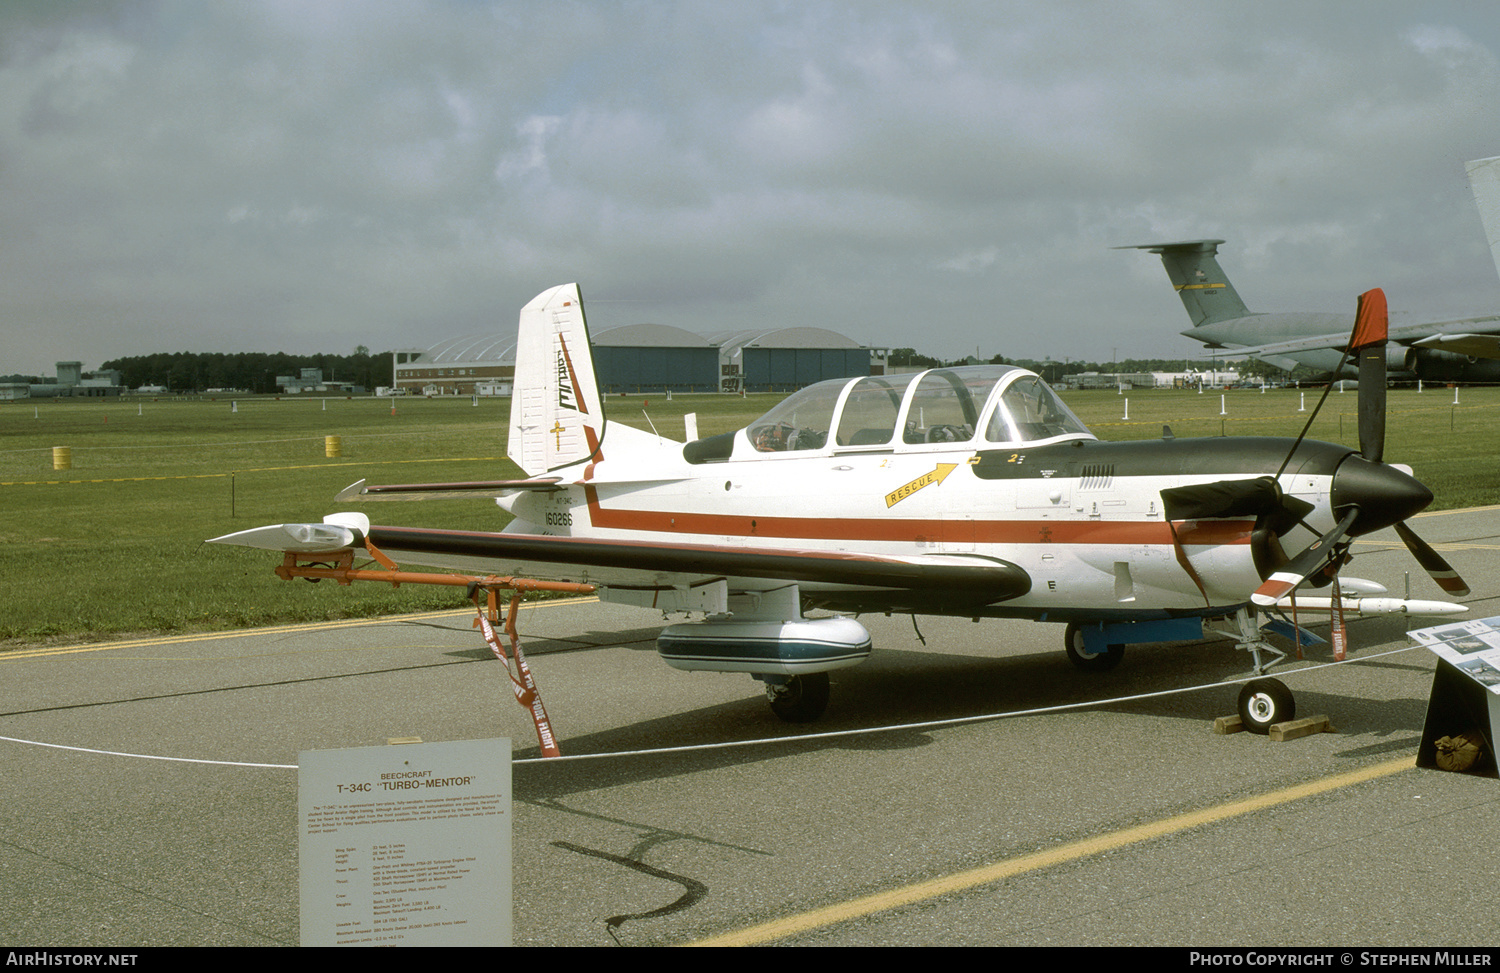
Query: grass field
x=114, y=545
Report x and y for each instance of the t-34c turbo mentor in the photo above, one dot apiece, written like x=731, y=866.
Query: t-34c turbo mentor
x=967, y=491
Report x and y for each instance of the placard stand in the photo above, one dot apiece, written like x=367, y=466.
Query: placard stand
x=1459, y=705
x=1465, y=696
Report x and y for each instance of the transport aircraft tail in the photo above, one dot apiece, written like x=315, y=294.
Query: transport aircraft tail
x=1199, y=280
x=1484, y=179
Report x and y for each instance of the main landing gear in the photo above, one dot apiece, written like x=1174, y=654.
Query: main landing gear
x=799, y=699
x=1080, y=656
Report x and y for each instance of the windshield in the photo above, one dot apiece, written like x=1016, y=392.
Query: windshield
x=1029, y=411
x=801, y=421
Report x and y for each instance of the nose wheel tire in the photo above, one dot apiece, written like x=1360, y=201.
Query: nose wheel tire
x=1264, y=702
x=801, y=699
x=1079, y=655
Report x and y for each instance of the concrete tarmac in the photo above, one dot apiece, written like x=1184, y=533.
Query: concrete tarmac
x=779, y=835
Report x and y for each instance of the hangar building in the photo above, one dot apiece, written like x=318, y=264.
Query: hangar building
x=650, y=358
x=785, y=359
x=654, y=358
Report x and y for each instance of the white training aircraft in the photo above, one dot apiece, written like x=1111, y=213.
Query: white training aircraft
x=957, y=491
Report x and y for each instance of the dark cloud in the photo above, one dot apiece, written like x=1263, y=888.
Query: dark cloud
x=316, y=176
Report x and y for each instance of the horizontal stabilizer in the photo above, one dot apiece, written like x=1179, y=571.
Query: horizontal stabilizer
x=481, y=489
x=478, y=489
x=1180, y=246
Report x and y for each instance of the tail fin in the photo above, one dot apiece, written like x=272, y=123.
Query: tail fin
x=556, y=412
x=1484, y=179
x=1200, y=281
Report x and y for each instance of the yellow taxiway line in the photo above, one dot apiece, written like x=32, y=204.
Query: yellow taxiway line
x=985, y=875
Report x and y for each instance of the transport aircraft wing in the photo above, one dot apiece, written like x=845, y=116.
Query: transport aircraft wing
x=1463, y=336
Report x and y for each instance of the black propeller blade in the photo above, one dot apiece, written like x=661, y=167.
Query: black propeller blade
x=1432, y=562
x=1368, y=342
x=1318, y=556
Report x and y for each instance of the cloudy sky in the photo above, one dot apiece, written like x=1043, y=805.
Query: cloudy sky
x=312, y=176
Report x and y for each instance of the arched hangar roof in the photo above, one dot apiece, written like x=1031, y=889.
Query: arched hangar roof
x=649, y=336
x=730, y=342
x=472, y=348
x=495, y=348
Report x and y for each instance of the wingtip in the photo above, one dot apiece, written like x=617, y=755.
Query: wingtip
x=353, y=491
x=294, y=538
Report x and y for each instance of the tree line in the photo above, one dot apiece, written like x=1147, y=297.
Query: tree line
x=251, y=371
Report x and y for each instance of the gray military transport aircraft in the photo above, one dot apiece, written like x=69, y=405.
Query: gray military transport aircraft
x=1464, y=350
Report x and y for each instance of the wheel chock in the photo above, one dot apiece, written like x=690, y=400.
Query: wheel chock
x=1290, y=730
x=1225, y=725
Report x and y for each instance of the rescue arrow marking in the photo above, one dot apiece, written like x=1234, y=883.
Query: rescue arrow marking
x=926, y=479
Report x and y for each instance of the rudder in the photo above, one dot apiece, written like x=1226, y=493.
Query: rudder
x=1484, y=179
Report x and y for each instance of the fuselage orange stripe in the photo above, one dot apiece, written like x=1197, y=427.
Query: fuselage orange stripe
x=1216, y=532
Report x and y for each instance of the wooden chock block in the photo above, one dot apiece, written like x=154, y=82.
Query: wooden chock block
x=1292, y=729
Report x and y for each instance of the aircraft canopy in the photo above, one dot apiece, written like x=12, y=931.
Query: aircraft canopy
x=989, y=405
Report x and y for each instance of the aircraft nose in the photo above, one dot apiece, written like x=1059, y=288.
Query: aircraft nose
x=1385, y=495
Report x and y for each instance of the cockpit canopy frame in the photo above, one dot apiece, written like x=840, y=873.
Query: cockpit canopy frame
x=984, y=406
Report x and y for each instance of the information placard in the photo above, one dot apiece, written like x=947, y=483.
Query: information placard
x=406, y=845
x=1472, y=647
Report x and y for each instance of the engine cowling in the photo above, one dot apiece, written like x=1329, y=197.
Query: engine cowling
x=1436, y=365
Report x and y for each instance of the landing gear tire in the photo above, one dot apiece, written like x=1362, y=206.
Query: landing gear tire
x=1263, y=702
x=1079, y=655
x=801, y=699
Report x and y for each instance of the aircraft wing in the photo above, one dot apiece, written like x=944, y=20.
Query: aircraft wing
x=946, y=578
x=1473, y=345
x=447, y=491
x=1476, y=337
